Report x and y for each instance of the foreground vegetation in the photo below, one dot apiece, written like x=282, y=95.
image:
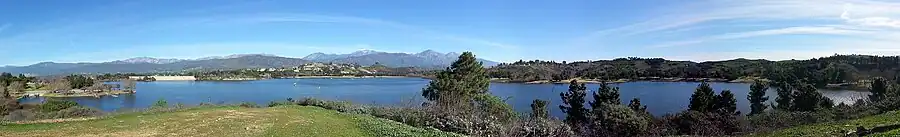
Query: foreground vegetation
x=840, y=128
x=284, y=120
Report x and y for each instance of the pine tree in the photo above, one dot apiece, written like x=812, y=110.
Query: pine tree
x=726, y=103
x=807, y=98
x=785, y=98
x=878, y=89
x=606, y=94
x=458, y=83
x=539, y=109
x=573, y=104
x=703, y=98
x=635, y=105
x=757, y=97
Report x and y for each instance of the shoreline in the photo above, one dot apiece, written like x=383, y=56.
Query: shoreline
x=317, y=77
x=58, y=95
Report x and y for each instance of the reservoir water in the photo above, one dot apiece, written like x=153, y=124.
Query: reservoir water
x=660, y=97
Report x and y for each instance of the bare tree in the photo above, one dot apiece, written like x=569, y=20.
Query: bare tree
x=129, y=85
x=98, y=87
x=60, y=85
x=17, y=87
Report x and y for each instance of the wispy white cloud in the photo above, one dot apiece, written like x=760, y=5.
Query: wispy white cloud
x=819, y=30
x=827, y=17
x=870, y=21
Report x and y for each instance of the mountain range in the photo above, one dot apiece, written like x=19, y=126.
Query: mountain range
x=426, y=59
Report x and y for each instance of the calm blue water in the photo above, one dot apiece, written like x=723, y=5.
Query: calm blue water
x=660, y=97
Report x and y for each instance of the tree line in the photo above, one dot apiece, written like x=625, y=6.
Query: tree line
x=819, y=71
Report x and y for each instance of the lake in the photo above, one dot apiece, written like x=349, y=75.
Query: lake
x=660, y=97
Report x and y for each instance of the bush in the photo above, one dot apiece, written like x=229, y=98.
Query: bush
x=618, y=120
x=53, y=105
x=279, y=103
x=782, y=119
x=540, y=127
x=20, y=115
x=160, y=104
x=248, y=105
x=72, y=112
x=8, y=105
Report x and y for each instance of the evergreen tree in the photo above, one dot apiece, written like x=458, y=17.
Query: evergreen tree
x=726, y=103
x=573, y=104
x=539, y=109
x=785, y=98
x=807, y=98
x=458, y=83
x=879, y=89
x=757, y=97
x=606, y=94
x=635, y=105
x=703, y=98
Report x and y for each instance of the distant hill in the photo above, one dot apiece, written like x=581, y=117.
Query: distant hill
x=424, y=59
x=427, y=59
x=158, y=65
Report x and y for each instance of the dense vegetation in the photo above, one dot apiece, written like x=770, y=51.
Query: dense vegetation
x=818, y=72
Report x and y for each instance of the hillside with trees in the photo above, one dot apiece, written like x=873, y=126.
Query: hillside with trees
x=837, y=69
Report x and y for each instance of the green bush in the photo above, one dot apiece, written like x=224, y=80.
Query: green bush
x=160, y=104
x=618, y=120
x=53, y=105
x=248, y=105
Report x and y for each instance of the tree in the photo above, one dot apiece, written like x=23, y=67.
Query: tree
x=129, y=85
x=17, y=87
x=60, y=85
x=879, y=89
x=617, y=120
x=635, y=105
x=573, y=104
x=79, y=81
x=703, y=98
x=807, y=98
x=456, y=84
x=539, y=109
x=726, y=103
x=757, y=97
x=606, y=94
x=785, y=98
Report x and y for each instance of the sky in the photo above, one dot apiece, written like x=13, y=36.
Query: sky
x=33, y=31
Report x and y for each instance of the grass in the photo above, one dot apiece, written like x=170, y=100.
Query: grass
x=287, y=120
x=834, y=128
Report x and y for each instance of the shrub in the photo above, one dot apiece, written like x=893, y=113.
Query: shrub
x=248, y=105
x=279, y=103
x=161, y=103
x=53, y=105
x=72, y=112
x=20, y=115
x=8, y=105
x=618, y=120
x=539, y=127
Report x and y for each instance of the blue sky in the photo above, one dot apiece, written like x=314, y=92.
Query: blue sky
x=35, y=31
